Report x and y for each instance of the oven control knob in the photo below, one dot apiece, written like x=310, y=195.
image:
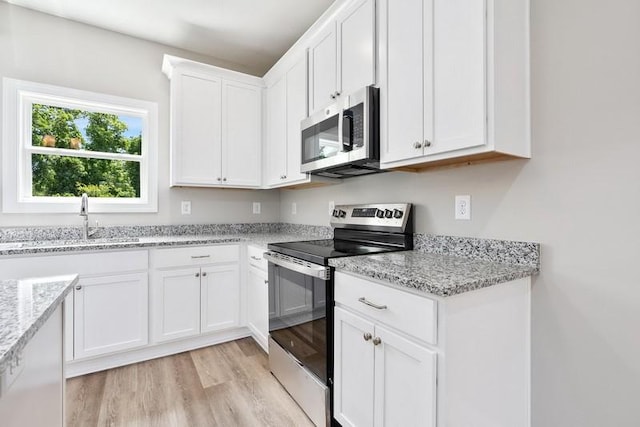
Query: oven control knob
x=380, y=213
x=388, y=213
x=397, y=213
x=341, y=213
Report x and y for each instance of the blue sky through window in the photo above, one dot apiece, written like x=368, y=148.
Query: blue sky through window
x=134, y=125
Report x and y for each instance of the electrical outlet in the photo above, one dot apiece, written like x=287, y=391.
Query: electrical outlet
x=256, y=208
x=294, y=208
x=332, y=206
x=185, y=207
x=463, y=207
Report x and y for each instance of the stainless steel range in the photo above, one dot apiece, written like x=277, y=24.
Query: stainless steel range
x=301, y=297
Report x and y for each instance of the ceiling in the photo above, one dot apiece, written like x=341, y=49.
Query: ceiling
x=251, y=33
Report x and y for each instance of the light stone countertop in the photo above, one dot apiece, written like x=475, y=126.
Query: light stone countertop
x=25, y=305
x=60, y=246
x=429, y=273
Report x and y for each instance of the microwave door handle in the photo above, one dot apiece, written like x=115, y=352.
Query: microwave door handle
x=347, y=130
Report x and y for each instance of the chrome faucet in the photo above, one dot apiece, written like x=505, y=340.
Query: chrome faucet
x=84, y=212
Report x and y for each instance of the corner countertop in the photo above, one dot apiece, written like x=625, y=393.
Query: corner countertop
x=25, y=305
x=62, y=246
x=430, y=273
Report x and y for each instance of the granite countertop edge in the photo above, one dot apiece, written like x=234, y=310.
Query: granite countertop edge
x=260, y=239
x=454, y=281
x=12, y=353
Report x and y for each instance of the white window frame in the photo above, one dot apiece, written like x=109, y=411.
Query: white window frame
x=18, y=98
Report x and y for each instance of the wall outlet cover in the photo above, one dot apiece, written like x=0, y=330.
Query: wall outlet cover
x=185, y=207
x=463, y=207
x=256, y=208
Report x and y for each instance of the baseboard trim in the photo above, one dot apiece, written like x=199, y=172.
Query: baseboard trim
x=153, y=351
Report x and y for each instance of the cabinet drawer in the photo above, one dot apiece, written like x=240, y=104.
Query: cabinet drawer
x=254, y=253
x=194, y=255
x=409, y=313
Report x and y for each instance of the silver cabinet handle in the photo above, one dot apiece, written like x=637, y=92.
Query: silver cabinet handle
x=224, y=179
x=427, y=143
x=337, y=94
x=417, y=144
x=366, y=336
x=204, y=274
x=284, y=176
x=219, y=179
x=79, y=287
x=256, y=258
x=266, y=282
x=332, y=96
x=370, y=304
x=200, y=256
x=376, y=341
x=197, y=274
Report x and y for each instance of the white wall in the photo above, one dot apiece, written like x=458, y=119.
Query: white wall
x=579, y=196
x=46, y=49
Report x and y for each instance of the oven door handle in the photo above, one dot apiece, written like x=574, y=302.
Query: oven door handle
x=297, y=265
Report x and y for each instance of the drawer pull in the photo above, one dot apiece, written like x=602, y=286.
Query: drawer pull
x=256, y=258
x=200, y=256
x=366, y=336
x=370, y=304
x=376, y=341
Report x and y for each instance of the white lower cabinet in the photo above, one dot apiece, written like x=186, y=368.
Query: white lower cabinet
x=382, y=378
x=110, y=314
x=403, y=359
x=32, y=393
x=258, y=304
x=194, y=290
x=220, y=294
x=175, y=298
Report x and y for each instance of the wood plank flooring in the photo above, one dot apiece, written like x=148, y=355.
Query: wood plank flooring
x=223, y=385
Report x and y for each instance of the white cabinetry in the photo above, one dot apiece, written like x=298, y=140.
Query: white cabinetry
x=33, y=394
x=216, y=125
x=454, y=81
x=194, y=290
x=342, y=55
x=110, y=314
x=286, y=108
x=258, y=296
x=403, y=359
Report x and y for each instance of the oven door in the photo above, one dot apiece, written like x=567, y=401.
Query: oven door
x=300, y=301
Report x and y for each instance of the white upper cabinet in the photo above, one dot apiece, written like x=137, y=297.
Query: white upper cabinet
x=342, y=55
x=286, y=107
x=454, y=81
x=216, y=125
x=241, y=133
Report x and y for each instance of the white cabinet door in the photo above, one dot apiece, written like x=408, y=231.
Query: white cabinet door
x=402, y=103
x=405, y=382
x=296, y=112
x=356, y=47
x=459, y=75
x=241, y=134
x=110, y=314
x=258, y=305
x=175, y=304
x=353, y=370
x=323, y=68
x=276, y=147
x=220, y=297
x=195, y=128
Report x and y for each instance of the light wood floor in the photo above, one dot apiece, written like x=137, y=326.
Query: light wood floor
x=223, y=385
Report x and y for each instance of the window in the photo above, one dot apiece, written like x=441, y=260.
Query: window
x=59, y=143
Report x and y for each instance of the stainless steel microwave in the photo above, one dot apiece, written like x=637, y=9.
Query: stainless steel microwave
x=343, y=139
